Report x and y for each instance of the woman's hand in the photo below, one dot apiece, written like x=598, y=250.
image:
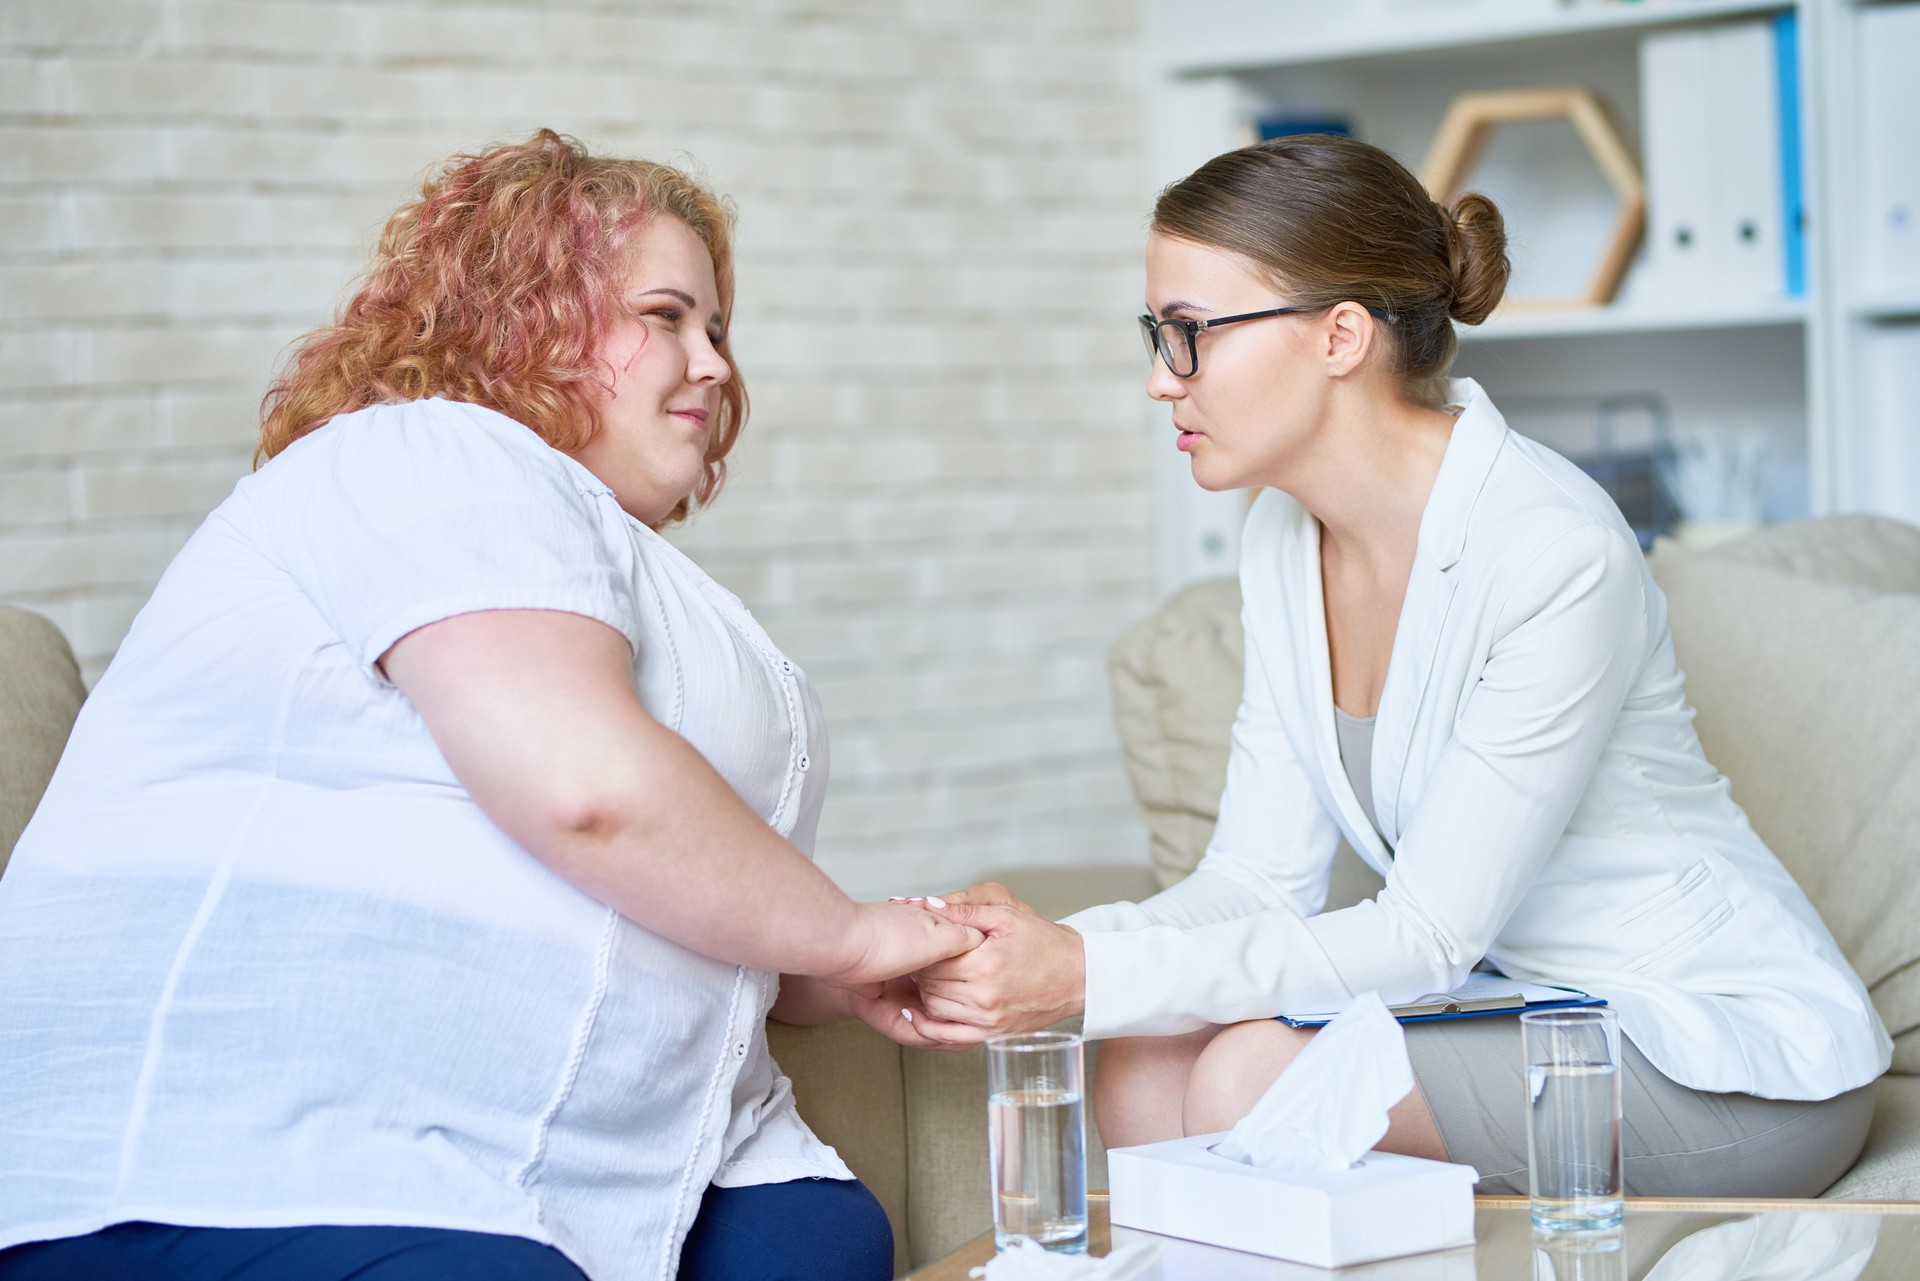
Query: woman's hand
x=893, y=939
x=897, y=1014
x=1029, y=974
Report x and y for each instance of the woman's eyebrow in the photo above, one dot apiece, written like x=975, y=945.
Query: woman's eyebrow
x=682, y=296
x=1167, y=310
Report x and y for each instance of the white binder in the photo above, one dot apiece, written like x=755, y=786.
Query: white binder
x=1677, y=152
x=1710, y=118
x=1890, y=149
x=1748, y=207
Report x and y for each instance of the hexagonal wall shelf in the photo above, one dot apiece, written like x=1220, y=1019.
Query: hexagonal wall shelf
x=1463, y=136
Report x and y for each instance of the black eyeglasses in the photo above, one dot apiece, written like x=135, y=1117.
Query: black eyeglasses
x=1174, y=340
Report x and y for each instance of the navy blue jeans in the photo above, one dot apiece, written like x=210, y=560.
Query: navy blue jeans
x=806, y=1230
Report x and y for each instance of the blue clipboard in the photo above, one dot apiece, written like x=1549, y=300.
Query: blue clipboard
x=1575, y=1000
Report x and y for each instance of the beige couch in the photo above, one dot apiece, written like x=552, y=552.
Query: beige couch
x=1802, y=653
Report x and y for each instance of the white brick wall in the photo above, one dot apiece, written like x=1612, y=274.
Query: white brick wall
x=941, y=507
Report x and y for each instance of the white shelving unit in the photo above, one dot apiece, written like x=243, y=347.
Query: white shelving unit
x=1799, y=372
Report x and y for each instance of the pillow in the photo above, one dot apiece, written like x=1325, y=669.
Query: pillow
x=40, y=695
x=1807, y=693
x=1176, y=678
x=1867, y=551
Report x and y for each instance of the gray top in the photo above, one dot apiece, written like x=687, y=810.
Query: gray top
x=1356, y=754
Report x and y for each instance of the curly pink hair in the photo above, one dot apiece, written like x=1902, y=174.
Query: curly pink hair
x=495, y=287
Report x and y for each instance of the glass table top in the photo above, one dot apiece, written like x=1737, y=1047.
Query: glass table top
x=1663, y=1240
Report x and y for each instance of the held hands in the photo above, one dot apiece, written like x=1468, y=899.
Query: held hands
x=1028, y=974
x=900, y=937
x=891, y=939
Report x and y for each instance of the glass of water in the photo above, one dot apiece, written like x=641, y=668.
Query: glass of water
x=1573, y=1119
x=1037, y=1140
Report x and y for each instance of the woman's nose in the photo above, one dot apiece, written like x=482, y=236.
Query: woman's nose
x=706, y=365
x=1161, y=384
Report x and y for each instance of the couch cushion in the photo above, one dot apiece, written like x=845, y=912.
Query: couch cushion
x=1806, y=693
x=40, y=694
x=1889, y=1168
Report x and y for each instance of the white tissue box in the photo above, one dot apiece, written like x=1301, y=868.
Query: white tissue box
x=1384, y=1207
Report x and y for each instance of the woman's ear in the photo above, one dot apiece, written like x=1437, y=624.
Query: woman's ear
x=1350, y=335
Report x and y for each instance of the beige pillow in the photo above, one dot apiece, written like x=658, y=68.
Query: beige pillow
x=1808, y=695
x=40, y=694
x=1867, y=551
x=1176, y=687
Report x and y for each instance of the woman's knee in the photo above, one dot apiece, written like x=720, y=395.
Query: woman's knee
x=1138, y=1085
x=1235, y=1070
x=802, y=1230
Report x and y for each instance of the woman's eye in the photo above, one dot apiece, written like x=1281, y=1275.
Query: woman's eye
x=669, y=314
x=716, y=337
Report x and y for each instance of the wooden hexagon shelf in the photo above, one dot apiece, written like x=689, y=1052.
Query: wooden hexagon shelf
x=1463, y=137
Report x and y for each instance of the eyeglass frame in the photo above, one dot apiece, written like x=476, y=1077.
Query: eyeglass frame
x=1150, y=329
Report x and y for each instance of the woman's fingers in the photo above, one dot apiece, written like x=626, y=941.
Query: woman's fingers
x=942, y=1035
x=897, y=938
x=987, y=894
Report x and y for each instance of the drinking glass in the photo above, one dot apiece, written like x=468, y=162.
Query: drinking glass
x=1573, y=1119
x=1037, y=1140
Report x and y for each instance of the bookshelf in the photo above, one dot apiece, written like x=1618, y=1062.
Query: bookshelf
x=1816, y=377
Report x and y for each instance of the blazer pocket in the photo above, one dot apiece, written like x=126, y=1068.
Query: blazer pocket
x=1684, y=940
x=1680, y=889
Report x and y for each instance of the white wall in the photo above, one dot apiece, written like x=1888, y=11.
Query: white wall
x=941, y=508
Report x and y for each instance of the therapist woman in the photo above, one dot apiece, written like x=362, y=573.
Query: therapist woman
x=1457, y=660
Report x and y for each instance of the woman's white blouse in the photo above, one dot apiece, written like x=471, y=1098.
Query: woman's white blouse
x=1542, y=795
x=264, y=962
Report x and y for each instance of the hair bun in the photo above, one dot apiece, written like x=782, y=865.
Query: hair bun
x=1476, y=257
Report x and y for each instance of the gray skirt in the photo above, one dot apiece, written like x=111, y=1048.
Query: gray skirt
x=1678, y=1141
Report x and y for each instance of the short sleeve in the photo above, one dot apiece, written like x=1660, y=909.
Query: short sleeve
x=398, y=516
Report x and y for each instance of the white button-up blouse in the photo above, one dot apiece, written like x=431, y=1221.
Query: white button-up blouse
x=264, y=962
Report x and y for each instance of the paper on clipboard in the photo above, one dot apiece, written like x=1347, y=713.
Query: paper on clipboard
x=1480, y=994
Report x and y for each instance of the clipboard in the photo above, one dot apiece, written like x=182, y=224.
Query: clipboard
x=1480, y=995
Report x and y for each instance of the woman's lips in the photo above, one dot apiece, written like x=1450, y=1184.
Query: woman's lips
x=1188, y=439
x=698, y=417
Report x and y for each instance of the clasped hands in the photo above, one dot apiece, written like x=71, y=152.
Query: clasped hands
x=1025, y=973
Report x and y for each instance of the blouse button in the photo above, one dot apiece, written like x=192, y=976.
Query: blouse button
x=804, y=763
x=739, y=1049
x=786, y=667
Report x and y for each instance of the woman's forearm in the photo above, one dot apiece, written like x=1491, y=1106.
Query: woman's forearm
x=537, y=716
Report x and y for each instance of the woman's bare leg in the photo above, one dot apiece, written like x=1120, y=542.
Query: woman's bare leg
x=1140, y=1083
x=1235, y=1068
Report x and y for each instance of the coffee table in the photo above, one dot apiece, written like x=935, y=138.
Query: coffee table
x=1664, y=1240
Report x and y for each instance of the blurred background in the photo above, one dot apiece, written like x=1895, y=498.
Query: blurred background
x=952, y=493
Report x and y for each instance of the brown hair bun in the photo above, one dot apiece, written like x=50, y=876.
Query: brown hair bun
x=1476, y=257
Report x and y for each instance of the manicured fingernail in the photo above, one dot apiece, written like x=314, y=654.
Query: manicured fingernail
x=896, y=899
x=934, y=900
x=906, y=1014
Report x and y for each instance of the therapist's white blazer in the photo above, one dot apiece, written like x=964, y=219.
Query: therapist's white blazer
x=1536, y=773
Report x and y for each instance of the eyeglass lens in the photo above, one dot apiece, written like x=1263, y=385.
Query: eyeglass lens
x=1168, y=340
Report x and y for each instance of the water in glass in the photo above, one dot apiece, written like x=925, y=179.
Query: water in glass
x=1573, y=1140
x=1037, y=1146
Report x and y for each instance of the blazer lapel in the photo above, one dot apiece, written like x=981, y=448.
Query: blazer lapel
x=1477, y=437
x=1317, y=697
x=1423, y=618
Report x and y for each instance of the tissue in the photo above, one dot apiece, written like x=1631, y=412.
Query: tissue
x=1029, y=1261
x=1329, y=1107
